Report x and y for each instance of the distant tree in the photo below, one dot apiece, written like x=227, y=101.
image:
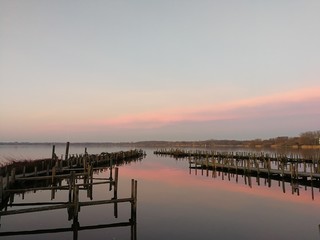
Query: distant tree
x=310, y=138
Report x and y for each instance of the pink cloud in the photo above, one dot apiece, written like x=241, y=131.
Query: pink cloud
x=285, y=103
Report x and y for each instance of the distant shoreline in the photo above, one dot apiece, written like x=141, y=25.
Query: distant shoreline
x=194, y=144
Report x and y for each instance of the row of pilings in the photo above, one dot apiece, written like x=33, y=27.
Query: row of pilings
x=55, y=166
x=183, y=153
x=292, y=166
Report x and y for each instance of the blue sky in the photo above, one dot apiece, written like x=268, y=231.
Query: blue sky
x=158, y=70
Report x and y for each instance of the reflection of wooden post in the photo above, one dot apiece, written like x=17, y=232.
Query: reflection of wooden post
x=115, y=192
x=90, y=182
x=133, y=218
x=312, y=193
x=75, y=228
x=53, y=174
x=76, y=200
x=201, y=164
x=52, y=193
x=116, y=170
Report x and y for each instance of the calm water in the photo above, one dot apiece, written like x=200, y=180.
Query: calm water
x=174, y=203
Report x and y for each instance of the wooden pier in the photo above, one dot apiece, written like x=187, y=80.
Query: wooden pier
x=295, y=170
x=283, y=166
x=54, y=168
x=71, y=174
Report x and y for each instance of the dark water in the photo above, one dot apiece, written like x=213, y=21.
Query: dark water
x=174, y=203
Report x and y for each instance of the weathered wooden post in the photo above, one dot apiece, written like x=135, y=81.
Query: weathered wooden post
x=269, y=167
x=35, y=171
x=13, y=175
x=196, y=165
x=53, y=156
x=24, y=171
x=67, y=151
x=207, y=166
x=214, y=173
x=53, y=174
x=115, y=190
x=47, y=170
x=76, y=200
x=84, y=163
x=1, y=188
x=283, y=186
x=134, y=191
x=7, y=179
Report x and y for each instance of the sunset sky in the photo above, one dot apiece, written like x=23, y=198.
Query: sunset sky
x=107, y=70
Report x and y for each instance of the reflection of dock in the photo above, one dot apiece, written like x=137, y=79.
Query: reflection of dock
x=260, y=173
x=291, y=169
x=72, y=179
x=261, y=164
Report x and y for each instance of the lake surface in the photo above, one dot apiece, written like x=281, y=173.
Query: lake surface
x=174, y=202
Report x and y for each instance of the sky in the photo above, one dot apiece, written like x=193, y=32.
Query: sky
x=158, y=70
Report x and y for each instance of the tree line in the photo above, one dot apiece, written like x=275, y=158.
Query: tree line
x=310, y=138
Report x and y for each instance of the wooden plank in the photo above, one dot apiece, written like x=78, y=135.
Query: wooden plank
x=60, y=230
x=35, y=209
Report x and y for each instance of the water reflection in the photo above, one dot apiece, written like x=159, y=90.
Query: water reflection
x=252, y=179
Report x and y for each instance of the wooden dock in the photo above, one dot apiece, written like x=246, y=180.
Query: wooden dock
x=72, y=174
x=293, y=167
x=295, y=170
x=54, y=168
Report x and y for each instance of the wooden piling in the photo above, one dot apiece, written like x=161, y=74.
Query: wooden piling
x=67, y=151
x=53, y=173
x=13, y=175
x=134, y=187
x=53, y=156
x=1, y=188
x=116, y=172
